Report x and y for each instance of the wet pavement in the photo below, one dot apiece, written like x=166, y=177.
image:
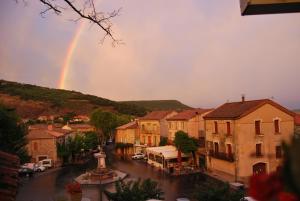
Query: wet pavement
x=50, y=185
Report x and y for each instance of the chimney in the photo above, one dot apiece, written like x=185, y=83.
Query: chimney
x=243, y=98
x=50, y=127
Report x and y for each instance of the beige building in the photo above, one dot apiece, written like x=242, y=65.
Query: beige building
x=153, y=126
x=128, y=133
x=244, y=138
x=42, y=142
x=190, y=121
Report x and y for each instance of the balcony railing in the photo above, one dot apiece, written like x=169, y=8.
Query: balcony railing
x=222, y=156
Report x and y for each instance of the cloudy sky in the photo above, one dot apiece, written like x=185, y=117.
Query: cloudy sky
x=202, y=53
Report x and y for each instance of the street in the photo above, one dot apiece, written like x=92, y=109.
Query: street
x=50, y=185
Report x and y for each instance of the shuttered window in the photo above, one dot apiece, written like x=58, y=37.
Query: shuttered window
x=216, y=127
x=257, y=127
x=276, y=125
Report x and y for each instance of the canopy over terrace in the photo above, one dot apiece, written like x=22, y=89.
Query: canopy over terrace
x=164, y=157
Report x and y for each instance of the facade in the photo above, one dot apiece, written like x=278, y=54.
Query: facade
x=42, y=142
x=153, y=126
x=190, y=121
x=244, y=138
x=129, y=134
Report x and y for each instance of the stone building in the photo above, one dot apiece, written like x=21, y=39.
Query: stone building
x=244, y=138
x=153, y=126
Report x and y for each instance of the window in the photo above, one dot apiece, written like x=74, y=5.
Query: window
x=169, y=125
x=258, y=150
x=182, y=125
x=276, y=125
x=228, y=128
x=216, y=148
x=229, y=150
x=35, y=146
x=278, y=152
x=216, y=127
x=257, y=127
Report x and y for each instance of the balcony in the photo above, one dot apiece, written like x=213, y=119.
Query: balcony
x=257, y=155
x=222, y=156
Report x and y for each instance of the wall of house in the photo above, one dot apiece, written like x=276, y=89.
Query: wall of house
x=221, y=165
x=247, y=139
x=126, y=136
x=43, y=147
x=149, y=132
x=164, y=125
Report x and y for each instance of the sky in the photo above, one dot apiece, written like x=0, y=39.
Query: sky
x=202, y=53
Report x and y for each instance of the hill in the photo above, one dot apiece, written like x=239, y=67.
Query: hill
x=32, y=101
x=159, y=104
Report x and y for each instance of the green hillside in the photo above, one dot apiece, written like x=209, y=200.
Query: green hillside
x=159, y=104
x=59, y=99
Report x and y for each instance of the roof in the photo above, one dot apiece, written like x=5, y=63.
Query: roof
x=9, y=165
x=47, y=134
x=236, y=110
x=297, y=119
x=188, y=114
x=156, y=115
x=130, y=125
x=79, y=126
x=168, y=151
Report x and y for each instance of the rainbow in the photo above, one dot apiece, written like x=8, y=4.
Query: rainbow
x=69, y=55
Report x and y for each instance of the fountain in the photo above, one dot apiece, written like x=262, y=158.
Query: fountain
x=100, y=175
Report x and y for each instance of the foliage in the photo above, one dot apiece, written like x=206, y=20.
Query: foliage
x=159, y=104
x=135, y=191
x=73, y=187
x=107, y=122
x=67, y=117
x=13, y=134
x=184, y=143
x=284, y=184
x=163, y=141
x=216, y=192
x=91, y=140
x=62, y=98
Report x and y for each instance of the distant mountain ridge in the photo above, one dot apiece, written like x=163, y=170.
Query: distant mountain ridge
x=31, y=101
x=159, y=104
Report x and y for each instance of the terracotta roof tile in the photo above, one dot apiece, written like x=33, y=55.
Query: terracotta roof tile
x=188, y=114
x=130, y=125
x=236, y=110
x=156, y=115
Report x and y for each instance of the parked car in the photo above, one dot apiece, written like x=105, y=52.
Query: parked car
x=138, y=156
x=46, y=163
x=32, y=166
x=23, y=171
x=40, y=168
x=182, y=199
x=247, y=199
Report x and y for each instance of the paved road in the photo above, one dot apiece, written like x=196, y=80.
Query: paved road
x=49, y=186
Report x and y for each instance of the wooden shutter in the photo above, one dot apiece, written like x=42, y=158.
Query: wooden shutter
x=276, y=125
x=257, y=127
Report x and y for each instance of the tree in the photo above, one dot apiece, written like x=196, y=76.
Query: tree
x=106, y=123
x=163, y=141
x=69, y=116
x=90, y=140
x=211, y=191
x=183, y=144
x=83, y=10
x=135, y=191
x=13, y=134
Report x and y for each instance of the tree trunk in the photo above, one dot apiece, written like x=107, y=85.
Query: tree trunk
x=179, y=157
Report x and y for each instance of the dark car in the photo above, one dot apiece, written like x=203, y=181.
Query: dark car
x=26, y=172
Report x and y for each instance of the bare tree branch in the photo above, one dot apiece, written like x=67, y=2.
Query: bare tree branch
x=88, y=12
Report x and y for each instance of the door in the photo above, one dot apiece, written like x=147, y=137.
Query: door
x=259, y=168
x=149, y=140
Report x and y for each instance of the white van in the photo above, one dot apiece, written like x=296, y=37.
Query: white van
x=46, y=163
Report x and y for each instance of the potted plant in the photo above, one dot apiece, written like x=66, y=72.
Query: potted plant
x=74, y=191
